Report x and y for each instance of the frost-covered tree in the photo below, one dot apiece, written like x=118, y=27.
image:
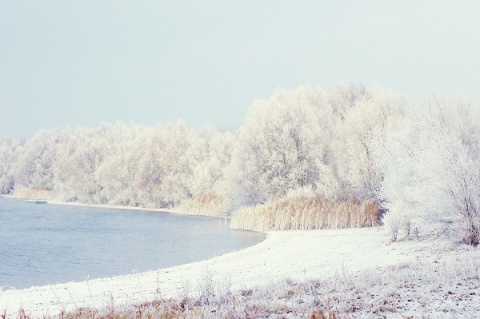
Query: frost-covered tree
x=210, y=154
x=75, y=166
x=280, y=148
x=34, y=161
x=7, y=150
x=362, y=125
x=65, y=145
x=432, y=169
x=117, y=172
x=344, y=97
x=164, y=169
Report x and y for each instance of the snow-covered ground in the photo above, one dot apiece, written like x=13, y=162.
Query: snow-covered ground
x=297, y=255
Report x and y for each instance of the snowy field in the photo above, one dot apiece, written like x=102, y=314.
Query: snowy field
x=357, y=272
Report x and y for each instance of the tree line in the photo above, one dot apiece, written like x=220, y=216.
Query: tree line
x=418, y=160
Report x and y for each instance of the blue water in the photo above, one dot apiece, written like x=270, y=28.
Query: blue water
x=48, y=244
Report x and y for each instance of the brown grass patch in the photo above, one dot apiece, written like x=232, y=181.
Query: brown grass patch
x=306, y=212
x=34, y=192
x=203, y=205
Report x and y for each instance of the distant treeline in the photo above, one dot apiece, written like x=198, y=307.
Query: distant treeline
x=418, y=161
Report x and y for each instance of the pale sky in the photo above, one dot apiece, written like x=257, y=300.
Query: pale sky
x=80, y=63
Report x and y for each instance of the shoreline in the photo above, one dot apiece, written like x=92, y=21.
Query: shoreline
x=119, y=207
x=132, y=208
x=298, y=255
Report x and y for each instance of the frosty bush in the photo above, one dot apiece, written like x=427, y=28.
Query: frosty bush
x=395, y=221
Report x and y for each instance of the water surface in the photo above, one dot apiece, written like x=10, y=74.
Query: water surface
x=48, y=244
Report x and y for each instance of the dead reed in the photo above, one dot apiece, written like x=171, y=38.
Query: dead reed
x=34, y=192
x=306, y=212
x=203, y=205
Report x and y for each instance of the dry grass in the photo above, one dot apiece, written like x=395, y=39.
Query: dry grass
x=444, y=286
x=34, y=192
x=306, y=212
x=244, y=304
x=203, y=205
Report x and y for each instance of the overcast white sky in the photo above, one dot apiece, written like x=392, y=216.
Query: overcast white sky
x=148, y=62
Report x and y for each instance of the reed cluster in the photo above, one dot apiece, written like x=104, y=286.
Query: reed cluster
x=306, y=212
x=34, y=192
x=203, y=205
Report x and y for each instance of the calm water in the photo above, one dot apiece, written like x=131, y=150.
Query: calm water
x=47, y=244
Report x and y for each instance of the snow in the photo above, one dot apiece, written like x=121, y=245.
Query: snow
x=296, y=255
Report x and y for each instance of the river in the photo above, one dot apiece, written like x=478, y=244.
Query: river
x=46, y=244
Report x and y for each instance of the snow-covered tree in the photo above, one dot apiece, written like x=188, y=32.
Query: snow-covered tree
x=279, y=149
x=116, y=174
x=65, y=145
x=34, y=161
x=76, y=165
x=164, y=169
x=210, y=154
x=362, y=124
x=7, y=150
x=432, y=168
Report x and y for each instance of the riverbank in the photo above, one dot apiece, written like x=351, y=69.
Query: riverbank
x=143, y=209
x=294, y=255
x=57, y=202
x=181, y=210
